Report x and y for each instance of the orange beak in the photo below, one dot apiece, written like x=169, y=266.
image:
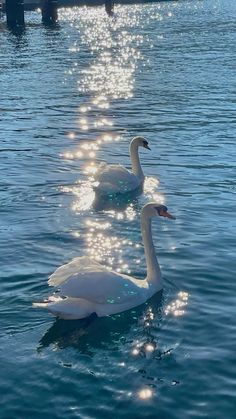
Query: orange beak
x=167, y=214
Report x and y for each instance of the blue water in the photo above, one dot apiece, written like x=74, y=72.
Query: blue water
x=71, y=97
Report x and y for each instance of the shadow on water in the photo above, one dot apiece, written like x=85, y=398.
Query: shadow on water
x=116, y=201
x=17, y=30
x=17, y=35
x=53, y=27
x=100, y=333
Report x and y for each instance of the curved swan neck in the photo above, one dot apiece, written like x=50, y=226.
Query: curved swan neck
x=153, y=268
x=136, y=166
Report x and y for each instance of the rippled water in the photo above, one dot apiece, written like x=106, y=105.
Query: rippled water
x=71, y=97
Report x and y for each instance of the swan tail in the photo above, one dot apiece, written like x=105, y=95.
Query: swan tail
x=40, y=305
x=67, y=308
x=46, y=303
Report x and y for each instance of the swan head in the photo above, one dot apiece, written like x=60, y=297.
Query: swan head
x=140, y=142
x=153, y=209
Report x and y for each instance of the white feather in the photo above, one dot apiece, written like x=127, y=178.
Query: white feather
x=102, y=287
x=80, y=264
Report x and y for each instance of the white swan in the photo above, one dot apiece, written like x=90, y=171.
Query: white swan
x=87, y=287
x=116, y=179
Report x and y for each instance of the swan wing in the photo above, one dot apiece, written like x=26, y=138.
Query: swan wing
x=102, y=287
x=79, y=264
x=116, y=178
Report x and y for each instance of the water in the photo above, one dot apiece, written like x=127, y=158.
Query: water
x=74, y=96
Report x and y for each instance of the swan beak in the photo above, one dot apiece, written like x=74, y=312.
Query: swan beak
x=147, y=146
x=166, y=214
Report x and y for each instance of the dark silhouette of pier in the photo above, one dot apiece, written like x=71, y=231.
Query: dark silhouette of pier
x=15, y=9
x=109, y=7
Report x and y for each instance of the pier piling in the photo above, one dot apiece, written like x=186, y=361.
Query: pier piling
x=49, y=12
x=15, y=13
x=109, y=7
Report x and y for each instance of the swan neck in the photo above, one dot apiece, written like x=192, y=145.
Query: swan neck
x=153, y=268
x=136, y=166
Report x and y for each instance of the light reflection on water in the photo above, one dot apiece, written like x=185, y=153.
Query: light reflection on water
x=111, y=73
x=165, y=71
x=108, y=78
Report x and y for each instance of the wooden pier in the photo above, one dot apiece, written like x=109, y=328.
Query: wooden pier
x=15, y=9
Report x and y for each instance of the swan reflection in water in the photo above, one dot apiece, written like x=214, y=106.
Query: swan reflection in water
x=93, y=332
x=87, y=198
x=135, y=334
x=119, y=202
x=122, y=201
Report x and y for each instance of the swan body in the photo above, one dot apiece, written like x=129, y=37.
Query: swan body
x=116, y=179
x=87, y=287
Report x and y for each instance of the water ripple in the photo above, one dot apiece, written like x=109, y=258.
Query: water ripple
x=81, y=91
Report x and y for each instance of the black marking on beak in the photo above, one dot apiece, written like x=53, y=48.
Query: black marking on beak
x=161, y=208
x=162, y=211
x=145, y=145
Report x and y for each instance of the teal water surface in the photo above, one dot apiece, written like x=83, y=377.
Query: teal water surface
x=71, y=97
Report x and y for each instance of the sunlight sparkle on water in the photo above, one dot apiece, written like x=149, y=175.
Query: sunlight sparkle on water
x=129, y=214
x=150, y=189
x=89, y=146
x=91, y=169
x=71, y=135
x=98, y=225
x=83, y=121
x=101, y=246
x=84, y=194
x=68, y=155
x=111, y=74
x=104, y=247
x=145, y=394
x=115, y=52
x=149, y=347
x=79, y=154
x=177, y=307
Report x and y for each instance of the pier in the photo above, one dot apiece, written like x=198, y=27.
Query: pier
x=14, y=9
